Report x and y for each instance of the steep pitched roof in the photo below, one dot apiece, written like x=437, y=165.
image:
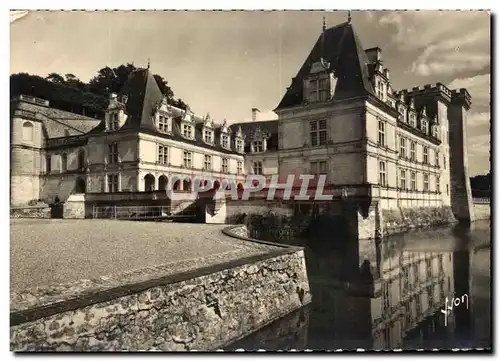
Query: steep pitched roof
x=143, y=93
x=341, y=47
x=249, y=129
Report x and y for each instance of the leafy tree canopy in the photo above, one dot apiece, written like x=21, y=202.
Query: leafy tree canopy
x=107, y=80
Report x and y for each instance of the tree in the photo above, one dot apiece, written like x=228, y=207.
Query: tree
x=55, y=78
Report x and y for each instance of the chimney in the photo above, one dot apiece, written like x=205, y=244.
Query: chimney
x=374, y=54
x=254, y=114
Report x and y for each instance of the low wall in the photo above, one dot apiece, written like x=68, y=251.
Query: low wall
x=406, y=219
x=30, y=212
x=482, y=211
x=204, y=309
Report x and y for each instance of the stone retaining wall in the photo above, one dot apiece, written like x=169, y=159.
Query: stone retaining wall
x=406, y=219
x=201, y=310
x=30, y=212
x=482, y=211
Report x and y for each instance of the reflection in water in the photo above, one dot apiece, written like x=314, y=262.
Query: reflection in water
x=415, y=273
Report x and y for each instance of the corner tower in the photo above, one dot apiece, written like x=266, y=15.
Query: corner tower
x=460, y=182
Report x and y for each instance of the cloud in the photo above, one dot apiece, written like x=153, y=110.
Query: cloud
x=478, y=119
x=16, y=15
x=478, y=87
x=445, y=49
x=479, y=145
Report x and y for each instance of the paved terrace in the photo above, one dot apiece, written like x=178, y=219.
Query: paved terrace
x=53, y=259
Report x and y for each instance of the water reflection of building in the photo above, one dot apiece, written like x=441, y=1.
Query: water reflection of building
x=414, y=288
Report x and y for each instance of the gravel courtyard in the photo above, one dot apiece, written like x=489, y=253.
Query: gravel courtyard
x=52, y=251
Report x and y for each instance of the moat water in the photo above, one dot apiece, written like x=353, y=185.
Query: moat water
x=417, y=272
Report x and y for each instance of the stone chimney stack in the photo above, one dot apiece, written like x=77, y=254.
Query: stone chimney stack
x=254, y=114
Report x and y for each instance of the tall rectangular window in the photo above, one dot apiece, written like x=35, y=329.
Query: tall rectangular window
x=240, y=167
x=162, y=154
x=225, y=141
x=113, y=153
x=402, y=147
x=382, y=179
x=187, y=130
x=438, y=184
x=163, y=123
x=318, y=132
x=225, y=165
x=413, y=147
x=444, y=162
x=258, y=146
x=257, y=168
x=413, y=181
x=187, y=160
x=239, y=145
x=207, y=163
x=208, y=135
x=113, y=183
x=381, y=133
x=426, y=155
x=436, y=161
x=319, y=167
x=402, y=179
x=48, y=164
x=426, y=182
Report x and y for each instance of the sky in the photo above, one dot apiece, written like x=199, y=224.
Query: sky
x=226, y=63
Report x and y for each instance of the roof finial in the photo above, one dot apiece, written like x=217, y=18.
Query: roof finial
x=324, y=23
x=349, y=17
x=149, y=64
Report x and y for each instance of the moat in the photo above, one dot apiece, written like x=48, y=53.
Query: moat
x=417, y=271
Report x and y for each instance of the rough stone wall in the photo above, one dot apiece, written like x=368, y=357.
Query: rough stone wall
x=482, y=211
x=58, y=185
x=202, y=313
x=406, y=219
x=23, y=189
x=30, y=212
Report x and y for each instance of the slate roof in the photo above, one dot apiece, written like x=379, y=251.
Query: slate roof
x=143, y=95
x=249, y=129
x=74, y=124
x=341, y=47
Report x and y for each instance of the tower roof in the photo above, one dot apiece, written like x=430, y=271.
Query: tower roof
x=143, y=93
x=341, y=47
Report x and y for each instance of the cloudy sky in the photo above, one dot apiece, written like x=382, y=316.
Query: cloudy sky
x=226, y=63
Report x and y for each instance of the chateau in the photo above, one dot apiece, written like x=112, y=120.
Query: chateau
x=340, y=117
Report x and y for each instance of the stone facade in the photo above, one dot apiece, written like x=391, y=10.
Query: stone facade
x=201, y=313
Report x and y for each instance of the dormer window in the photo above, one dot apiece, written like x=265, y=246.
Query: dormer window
x=435, y=131
x=208, y=136
x=187, y=130
x=412, y=119
x=225, y=141
x=401, y=110
x=258, y=146
x=424, y=126
x=114, y=123
x=163, y=121
x=239, y=145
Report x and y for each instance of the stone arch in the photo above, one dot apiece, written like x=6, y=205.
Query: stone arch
x=177, y=185
x=79, y=186
x=216, y=185
x=149, y=182
x=240, y=186
x=186, y=184
x=162, y=182
x=28, y=131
